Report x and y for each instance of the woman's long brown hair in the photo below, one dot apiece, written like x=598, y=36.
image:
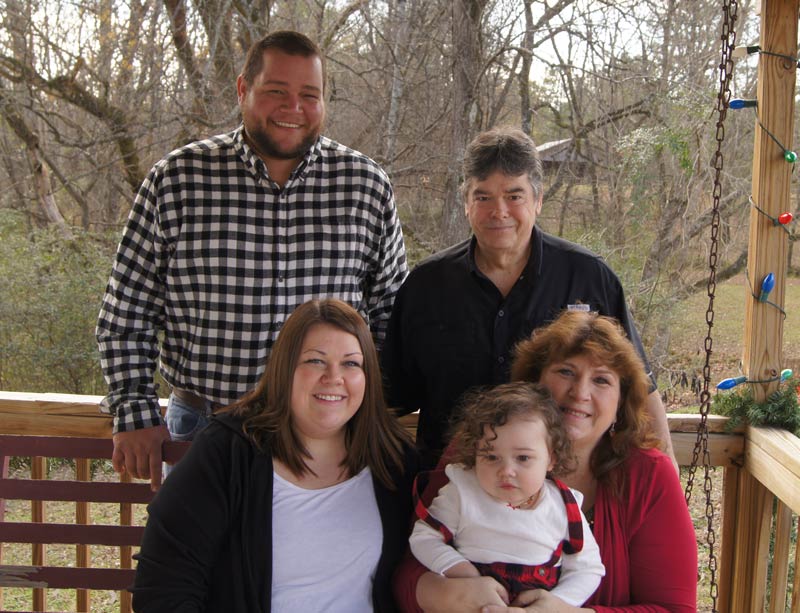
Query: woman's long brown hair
x=373, y=437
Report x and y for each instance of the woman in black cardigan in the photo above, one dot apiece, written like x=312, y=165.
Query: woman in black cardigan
x=297, y=496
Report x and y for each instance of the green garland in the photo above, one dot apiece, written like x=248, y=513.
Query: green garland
x=781, y=409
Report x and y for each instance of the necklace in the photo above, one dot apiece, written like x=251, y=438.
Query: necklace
x=528, y=503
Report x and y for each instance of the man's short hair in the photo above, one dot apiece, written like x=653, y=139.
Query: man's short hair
x=508, y=150
x=287, y=41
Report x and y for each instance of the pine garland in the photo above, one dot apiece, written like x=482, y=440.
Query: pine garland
x=780, y=410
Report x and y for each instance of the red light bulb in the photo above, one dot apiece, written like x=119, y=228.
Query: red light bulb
x=785, y=218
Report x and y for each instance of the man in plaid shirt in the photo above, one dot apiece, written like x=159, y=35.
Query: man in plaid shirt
x=225, y=238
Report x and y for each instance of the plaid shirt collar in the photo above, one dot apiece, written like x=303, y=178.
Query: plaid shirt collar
x=256, y=166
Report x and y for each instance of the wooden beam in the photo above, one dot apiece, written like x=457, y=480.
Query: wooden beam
x=727, y=551
x=771, y=457
x=725, y=450
x=780, y=559
x=768, y=245
x=746, y=542
x=750, y=542
x=55, y=414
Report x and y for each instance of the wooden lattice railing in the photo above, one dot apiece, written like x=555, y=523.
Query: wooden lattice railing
x=759, y=465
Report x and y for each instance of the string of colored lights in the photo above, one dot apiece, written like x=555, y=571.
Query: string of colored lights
x=768, y=282
x=781, y=220
x=745, y=50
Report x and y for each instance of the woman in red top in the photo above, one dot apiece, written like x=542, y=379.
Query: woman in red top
x=632, y=494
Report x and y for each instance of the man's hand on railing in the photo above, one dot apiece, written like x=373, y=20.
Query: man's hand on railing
x=138, y=452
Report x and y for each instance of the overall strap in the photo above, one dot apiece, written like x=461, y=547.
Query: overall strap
x=574, y=543
x=421, y=511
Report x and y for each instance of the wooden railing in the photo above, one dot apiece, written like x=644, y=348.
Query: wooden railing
x=759, y=465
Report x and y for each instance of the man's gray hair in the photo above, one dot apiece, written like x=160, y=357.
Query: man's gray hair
x=508, y=150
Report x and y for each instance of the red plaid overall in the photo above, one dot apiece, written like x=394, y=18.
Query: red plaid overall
x=517, y=578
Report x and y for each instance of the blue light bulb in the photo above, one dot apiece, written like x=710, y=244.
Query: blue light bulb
x=732, y=382
x=767, y=285
x=740, y=103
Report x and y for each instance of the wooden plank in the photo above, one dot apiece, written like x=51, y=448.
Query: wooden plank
x=727, y=553
x=753, y=508
x=73, y=491
x=66, y=578
x=768, y=244
x=83, y=554
x=125, y=553
x=39, y=553
x=58, y=425
x=773, y=457
x=795, y=608
x=4, y=464
x=47, y=400
x=55, y=404
x=780, y=559
x=70, y=534
x=724, y=449
x=74, y=447
x=56, y=446
x=690, y=422
x=55, y=414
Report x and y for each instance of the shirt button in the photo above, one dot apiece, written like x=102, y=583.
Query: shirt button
x=280, y=279
x=500, y=313
x=501, y=359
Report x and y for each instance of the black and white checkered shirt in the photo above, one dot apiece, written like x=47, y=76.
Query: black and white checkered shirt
x=216, y=256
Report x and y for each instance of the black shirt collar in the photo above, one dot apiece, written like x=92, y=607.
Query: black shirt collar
x=532, y=268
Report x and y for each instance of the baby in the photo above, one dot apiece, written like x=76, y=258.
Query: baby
x=503, y=514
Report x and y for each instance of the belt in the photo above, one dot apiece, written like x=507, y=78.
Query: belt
x=192, y=400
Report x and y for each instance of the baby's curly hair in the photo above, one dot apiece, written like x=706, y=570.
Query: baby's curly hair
x=494, y=407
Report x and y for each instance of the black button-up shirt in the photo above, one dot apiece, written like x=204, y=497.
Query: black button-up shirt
x=452, y=330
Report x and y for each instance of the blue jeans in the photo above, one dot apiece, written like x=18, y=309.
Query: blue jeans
x=183, y=422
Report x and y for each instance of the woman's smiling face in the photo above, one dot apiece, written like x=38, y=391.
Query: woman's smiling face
x=329, y=382
x=588, y=394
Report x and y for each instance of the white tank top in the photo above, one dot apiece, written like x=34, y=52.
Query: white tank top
x=325, y=546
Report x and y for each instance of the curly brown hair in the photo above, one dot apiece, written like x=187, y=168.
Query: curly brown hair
x=494, y=407
x=602, y=340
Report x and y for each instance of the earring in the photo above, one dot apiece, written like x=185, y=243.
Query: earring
x=613, y=428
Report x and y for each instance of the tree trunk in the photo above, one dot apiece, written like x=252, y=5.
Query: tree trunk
x=466, y=49
x=399, y=54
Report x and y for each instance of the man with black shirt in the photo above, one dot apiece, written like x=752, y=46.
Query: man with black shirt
x=458, y=316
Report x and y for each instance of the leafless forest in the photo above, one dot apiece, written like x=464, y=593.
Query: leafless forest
x=93, y=92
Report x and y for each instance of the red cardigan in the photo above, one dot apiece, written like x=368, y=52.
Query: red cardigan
x=646, y=538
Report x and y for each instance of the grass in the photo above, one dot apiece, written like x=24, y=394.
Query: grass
x=688, y=332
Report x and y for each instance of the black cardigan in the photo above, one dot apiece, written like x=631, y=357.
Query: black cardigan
x=207, y=544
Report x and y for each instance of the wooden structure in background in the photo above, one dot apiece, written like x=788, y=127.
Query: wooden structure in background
x=750, y=500
x=39, y=532
x=770, y=458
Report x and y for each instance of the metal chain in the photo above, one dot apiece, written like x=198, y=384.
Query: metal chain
x=729, y=13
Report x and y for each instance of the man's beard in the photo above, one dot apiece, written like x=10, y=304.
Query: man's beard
x=267, y=147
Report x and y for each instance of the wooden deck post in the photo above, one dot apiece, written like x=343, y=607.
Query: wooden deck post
x=768, y=248
x=763, y=333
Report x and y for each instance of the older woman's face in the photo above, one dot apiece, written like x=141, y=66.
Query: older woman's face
x=328, y=384
x=588, y=394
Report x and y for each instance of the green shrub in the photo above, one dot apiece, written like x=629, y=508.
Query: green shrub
x=50, y=294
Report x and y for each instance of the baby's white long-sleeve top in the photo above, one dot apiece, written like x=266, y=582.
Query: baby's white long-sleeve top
x=486, y=530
